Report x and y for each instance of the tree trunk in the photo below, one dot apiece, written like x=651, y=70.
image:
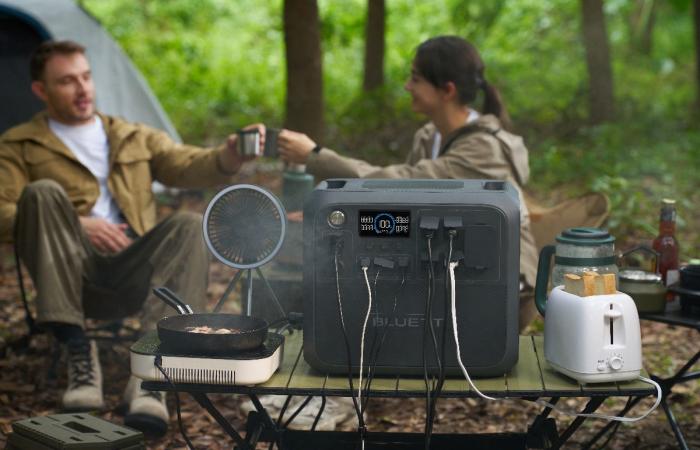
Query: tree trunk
x=374, y=45
x=643, y=20
x=302, y=39
x=600, y=80
x=696, y=21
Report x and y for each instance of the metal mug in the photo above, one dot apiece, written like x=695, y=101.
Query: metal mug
x=248, y=142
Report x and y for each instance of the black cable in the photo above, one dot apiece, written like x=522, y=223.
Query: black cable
x=442, y=373
x=299, y=409
x=429, y=327
x=158, y=363
x=319, y=413
x=360, y=418
x=283, y=410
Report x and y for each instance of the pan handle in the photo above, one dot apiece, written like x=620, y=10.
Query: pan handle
x=173, y=300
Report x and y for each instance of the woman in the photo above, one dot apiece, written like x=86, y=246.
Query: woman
x=459, y=142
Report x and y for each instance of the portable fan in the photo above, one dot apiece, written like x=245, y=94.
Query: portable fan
x=244, y=227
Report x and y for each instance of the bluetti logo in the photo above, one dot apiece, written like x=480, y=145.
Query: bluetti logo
x=404, y=321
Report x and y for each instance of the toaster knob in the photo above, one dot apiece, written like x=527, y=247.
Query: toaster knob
x=615, y=363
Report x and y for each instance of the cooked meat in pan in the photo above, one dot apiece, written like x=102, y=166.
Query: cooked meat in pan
x=209, y=330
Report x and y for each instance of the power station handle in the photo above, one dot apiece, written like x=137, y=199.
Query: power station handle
x=543, y=277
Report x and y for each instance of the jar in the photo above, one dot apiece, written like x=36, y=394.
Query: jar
x=646, y=289
x=577, y=250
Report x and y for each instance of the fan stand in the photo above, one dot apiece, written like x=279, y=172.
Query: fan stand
x=249, y=297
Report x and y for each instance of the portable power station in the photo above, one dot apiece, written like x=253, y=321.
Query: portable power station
x=390, y=239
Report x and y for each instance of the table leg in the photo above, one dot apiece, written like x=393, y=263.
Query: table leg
x=591, y=407
x=543, y=431
x=674, y=425
x=204, y=401
x=611, y=424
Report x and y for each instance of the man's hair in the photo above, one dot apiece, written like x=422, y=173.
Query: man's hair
x=46, y=50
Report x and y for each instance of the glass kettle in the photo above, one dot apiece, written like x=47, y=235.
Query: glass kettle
x=577, y=250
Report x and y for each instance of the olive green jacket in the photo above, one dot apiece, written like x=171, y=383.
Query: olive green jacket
x=138, y=156
x=480, y=150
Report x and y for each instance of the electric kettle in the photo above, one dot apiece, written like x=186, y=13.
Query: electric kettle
x=577, y=250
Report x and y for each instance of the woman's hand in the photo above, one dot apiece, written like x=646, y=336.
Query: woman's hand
x=230, y=159
x=294, y=147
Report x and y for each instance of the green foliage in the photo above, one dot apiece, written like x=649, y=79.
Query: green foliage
x=219, y=64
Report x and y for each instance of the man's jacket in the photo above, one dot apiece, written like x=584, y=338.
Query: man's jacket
x=480, y=150
x=138, y=156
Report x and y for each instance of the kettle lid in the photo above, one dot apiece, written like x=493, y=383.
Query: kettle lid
x=585, y=236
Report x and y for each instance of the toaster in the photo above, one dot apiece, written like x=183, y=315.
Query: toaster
x=593, y=339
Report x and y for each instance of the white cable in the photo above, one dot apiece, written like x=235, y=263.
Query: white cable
x=452, y=266
x=362, y=341
x=615, y=418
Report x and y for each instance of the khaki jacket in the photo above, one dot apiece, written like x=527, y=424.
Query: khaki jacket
x=484, y=151
x=138, y=156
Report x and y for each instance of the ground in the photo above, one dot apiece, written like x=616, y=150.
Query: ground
x=28, y=387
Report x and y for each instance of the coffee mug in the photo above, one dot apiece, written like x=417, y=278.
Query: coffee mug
x=248, y=142
x=271, y=142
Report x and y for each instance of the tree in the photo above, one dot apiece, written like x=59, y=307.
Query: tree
x=302, y=39
x=374, y=45
x=643, y=21
x=600, y=80
x=696, y=22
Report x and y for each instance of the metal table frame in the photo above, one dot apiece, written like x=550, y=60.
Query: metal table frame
x=532, y=378
x=676, y=318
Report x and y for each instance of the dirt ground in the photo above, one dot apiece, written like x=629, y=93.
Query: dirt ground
x=29, y=387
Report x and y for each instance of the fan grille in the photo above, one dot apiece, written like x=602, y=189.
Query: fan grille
x=244, y=226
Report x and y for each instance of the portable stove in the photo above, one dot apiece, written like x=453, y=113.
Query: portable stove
x=243, y=368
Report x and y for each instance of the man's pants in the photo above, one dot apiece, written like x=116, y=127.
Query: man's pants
x=74, y=281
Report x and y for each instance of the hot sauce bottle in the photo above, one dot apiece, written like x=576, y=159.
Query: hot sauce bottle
x=666, y=244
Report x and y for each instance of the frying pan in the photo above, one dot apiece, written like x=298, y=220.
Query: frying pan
x=174, y=333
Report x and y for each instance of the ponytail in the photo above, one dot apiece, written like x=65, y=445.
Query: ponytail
x=493, y=104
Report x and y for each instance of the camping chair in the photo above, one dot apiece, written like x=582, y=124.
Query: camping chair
x=588, y=210
x=104, y=330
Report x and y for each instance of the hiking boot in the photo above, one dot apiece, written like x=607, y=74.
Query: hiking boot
x=148, y=411
x=336, y=411
x=84, y=392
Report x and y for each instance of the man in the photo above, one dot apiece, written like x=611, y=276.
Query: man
x=75, y=195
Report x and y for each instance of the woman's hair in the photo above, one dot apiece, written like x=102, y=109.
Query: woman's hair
x=450, y=58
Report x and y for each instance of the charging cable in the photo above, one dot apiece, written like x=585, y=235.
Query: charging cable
x=453, y=305
x=539, y=401
x=362, y=338
x=613, y=418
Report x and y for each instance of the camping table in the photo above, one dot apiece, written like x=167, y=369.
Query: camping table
x=676, y=318
x=532, y=378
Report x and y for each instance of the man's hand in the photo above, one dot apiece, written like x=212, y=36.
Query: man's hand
x=294, y=147
x=231, y=160
x=104, y=236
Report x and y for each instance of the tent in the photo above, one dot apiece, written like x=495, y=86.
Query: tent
x=120, y=89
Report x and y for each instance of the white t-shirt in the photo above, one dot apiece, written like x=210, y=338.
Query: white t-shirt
x=89, y=144
x=473, y=115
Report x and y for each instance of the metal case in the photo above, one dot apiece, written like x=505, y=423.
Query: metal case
x=486, y=217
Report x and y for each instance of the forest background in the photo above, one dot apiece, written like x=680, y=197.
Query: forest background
x=604, y=92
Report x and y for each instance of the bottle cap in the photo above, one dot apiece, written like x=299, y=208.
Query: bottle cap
x=668, y=202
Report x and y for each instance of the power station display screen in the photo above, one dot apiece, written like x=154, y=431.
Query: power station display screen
x=384, y=223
